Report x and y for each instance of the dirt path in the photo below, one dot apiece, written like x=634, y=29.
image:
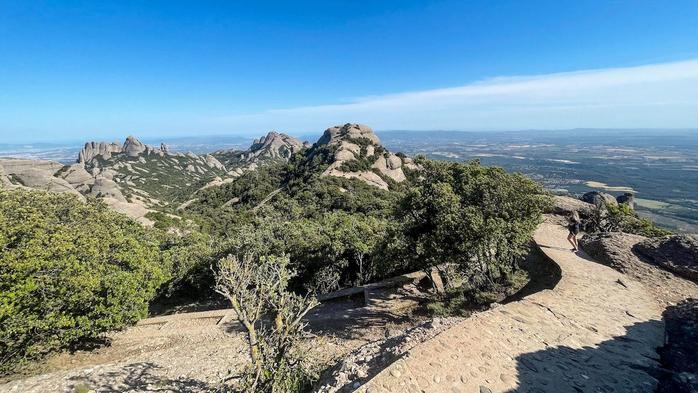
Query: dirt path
x=596, y=331
x=190, y=352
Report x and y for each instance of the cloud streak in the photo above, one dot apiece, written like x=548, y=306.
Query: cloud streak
x=650, y=96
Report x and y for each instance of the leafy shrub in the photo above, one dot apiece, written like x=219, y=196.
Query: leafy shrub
x=69, y=271
x=622, y=218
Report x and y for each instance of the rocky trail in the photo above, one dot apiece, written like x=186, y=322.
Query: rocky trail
x=596, y=331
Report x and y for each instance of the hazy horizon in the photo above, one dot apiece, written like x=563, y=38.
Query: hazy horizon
x=301, y=135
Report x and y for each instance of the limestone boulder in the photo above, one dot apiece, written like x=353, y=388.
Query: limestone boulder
x=76, y=175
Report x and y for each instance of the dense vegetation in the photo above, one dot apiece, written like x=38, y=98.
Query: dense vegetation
x=478, y=218
x=622, y=218
x=69, y=271
x=626, y=219
x=99, y=270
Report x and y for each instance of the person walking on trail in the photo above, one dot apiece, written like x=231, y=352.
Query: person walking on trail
x=574, y=227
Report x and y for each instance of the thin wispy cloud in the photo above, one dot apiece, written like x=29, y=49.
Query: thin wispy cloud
x=656, y=95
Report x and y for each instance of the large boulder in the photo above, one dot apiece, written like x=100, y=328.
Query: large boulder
x=133, y=147
x=565, y=205
x=678, y=254
x=599, y=199
x=76, y=175
x=613, y=249
x=106, y=188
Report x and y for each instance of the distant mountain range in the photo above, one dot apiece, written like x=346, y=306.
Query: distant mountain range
x=135, y=178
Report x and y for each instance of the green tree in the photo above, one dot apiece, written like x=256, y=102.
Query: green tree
x=69, y=271
x=479, y=218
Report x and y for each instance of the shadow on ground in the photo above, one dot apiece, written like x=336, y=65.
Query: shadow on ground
x=137, y=377
x=543, y=274
x=622, y=364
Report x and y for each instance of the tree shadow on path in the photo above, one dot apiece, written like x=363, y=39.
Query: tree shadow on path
x=137, y=377
x=627, y=363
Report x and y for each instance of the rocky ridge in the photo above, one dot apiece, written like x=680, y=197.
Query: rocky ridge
x=271, y=147
x=132, y=178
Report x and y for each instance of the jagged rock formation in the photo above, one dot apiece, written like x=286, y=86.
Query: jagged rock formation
x=132, y=178
x=98, y=149
x=275, y=145
x=139, y=173
x=359, y=155
x=272, y=147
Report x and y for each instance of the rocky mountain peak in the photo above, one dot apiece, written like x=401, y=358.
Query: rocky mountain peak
x=94, y=149
x=349, y=131
x=274, y=145
x=133, y=147
x=359, y=154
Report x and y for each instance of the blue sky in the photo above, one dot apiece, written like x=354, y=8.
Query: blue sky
x=75, y=70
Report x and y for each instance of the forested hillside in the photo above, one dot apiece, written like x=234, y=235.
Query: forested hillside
x=342, y=212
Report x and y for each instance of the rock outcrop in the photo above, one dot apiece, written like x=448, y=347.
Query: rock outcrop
x=272, y=147
x=275, y=145
x=131, y=178
x=678, y=254
x=359, y=155
x=133, y=147
x=613, y=249
x=680, y=349
x=599, y=199
x=91, y=150
x=36, y=174
x=564, y=205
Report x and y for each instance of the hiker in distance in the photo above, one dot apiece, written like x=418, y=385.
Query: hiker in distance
x=574, y=227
